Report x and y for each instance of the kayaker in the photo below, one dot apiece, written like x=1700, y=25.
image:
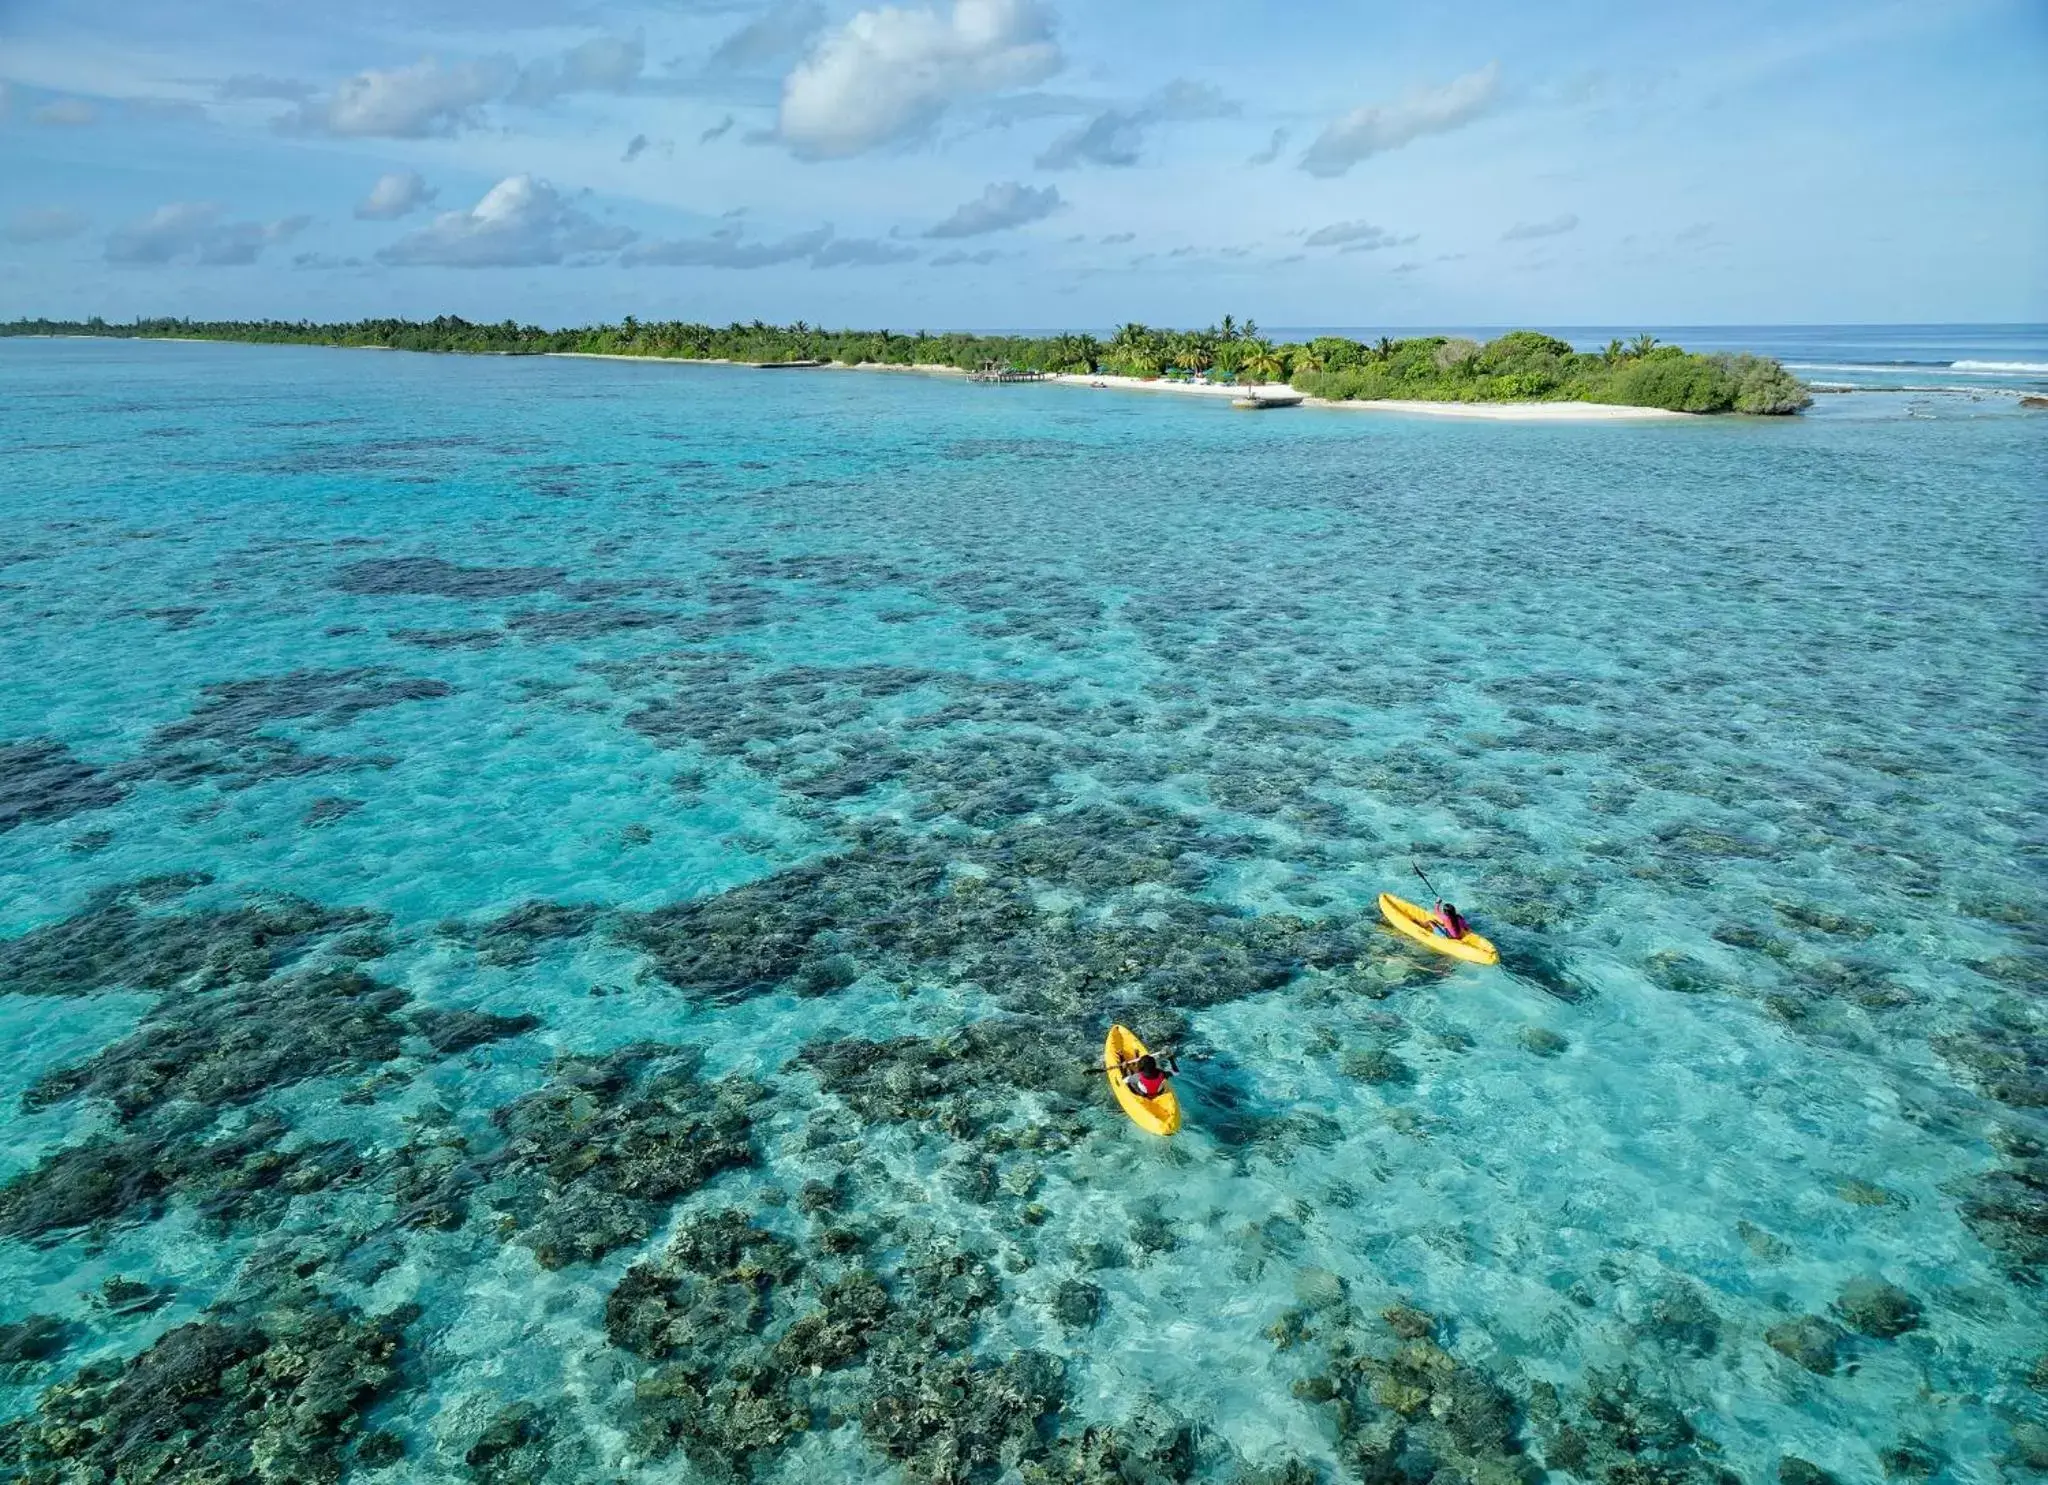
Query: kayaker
x=1450, y=923
x=1146, y=1077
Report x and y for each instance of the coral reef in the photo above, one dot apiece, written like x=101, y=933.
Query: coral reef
x=2007, y=1207
x=879, y=907
x=515, y=936
x=274, y=1396
x=390, y=577
x=231, y=736
x=590, y=1159
x=112, y=943
x=1617, y=1430
x=1874, y=1308
x=225, y=1047
x=43, y=780
x=327, y=810
x=522, y=1444
x=242, y=1176
x=960, y=1419
x=911, y=1078
x=1810, y=1341
x=31, y=1339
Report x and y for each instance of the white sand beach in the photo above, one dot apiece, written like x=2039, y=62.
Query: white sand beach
x=1500, y=412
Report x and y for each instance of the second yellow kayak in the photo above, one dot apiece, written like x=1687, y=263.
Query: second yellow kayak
x=1419, y=924
x=1159, y=1115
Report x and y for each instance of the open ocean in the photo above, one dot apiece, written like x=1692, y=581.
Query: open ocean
x=556, y=917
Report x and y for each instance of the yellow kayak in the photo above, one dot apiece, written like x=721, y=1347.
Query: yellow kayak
x=1419, y=924
x=1159, y=1115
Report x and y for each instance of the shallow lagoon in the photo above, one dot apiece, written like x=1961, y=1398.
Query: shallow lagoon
x=880, y=739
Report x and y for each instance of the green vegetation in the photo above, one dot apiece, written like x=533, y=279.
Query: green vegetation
x=1522, y=366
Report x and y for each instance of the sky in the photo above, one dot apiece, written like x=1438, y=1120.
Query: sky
x=1027, y=164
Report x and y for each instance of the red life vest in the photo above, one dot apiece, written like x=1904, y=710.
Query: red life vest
x=1150, y=1087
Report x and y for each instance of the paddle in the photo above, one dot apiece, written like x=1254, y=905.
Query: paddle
x=1417, y=868
x=1170, y=1055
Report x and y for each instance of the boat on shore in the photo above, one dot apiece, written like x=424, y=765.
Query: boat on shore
x=1257, y=401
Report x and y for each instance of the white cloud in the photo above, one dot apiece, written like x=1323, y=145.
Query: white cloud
x=779, y=34
x=887, y=74
x=605, y=64
x=1552, y=227
x=67, y=113
x=718, y=130
x=726, y=249
x=998, y=208
x=958, y=259
x=45, y=224
x=521, y=222
x=193, y=232
x=860, y=252
x=1377, y=128
x=394, y=195
x=415, y=102
x=1116, y=136
x=1356, y=237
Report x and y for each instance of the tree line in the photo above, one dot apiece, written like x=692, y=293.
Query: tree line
x=1521, y=366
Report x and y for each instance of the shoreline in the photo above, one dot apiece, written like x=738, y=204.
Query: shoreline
x=1497, y=412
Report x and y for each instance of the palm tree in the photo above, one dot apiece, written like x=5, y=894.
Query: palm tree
x=1642, y=345
x=1384, y=349
x=1264, y=365
x=1613, y=353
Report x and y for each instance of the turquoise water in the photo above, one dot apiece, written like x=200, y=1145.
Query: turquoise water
x=882, y=739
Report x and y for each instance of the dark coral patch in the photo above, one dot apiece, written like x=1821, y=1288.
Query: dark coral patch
x=113, y=944
x=277, y=1396
x=583, y=623
x=449, y=639
x=958, y=1418
x=913, y=1078
x=42, y=780
x=905, y=907
x=230, y=735
x=591, y=1159
x=518, y=934
x=452, y=1031
x=241, y=1177
x=386, y=577
x=226, y=1047
x=32, y=1339
x=326, y=811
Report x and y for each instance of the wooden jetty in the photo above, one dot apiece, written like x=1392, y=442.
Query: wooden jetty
x=990, y=372
x=782, y=365
x=1257, y=401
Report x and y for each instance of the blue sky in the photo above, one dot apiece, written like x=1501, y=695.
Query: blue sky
x=1027, y=163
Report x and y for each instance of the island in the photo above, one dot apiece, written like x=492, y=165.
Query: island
x=1520, y=368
